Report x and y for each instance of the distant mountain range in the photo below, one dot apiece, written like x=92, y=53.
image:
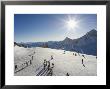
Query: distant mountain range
x=86, y=44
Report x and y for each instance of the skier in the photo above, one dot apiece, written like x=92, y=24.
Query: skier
x=48, y=65
x=64, y=52
x=67, y=74
x=16, y=67
x=45, y=64
x=51, y=71
x=82, y=61
x=51, y=57
x=30, y=62
x=73, y=53
x=32, y=57
x=26, y=63
x=52, y=65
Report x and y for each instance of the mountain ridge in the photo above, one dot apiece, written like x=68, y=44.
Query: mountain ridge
x=86, y=44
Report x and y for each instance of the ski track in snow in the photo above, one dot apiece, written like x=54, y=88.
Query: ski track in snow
x=63, y=63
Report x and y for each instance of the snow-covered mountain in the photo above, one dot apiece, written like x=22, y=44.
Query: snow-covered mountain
x=86, y=44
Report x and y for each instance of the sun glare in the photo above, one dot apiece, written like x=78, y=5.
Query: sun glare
x=71, y=24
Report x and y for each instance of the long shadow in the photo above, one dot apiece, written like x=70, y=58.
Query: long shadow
x=40, y=72
x=42, y=65
x=47, y=73
x=21, y=69
x=43, y=72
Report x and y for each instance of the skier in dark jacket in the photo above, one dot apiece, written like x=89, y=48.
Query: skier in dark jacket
x=67, y=74
x=82, y=61
x=16, y=67
x=51, y=71
x=52, y=65
x=48, y=66
x=26, y=63
x=51, y=57
x=45, y=64
x=64, y=52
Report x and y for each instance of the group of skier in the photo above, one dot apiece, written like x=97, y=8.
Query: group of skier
x=48, y=65
x=82, y=58
x=25, y=64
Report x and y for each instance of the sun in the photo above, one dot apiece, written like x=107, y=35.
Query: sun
x=71, y=24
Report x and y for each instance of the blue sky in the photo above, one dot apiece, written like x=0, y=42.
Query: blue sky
x=51, y=27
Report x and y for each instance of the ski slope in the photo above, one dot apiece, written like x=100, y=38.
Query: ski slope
x=63, y=62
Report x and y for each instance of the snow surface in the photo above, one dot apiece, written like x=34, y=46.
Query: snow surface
x=63, y=62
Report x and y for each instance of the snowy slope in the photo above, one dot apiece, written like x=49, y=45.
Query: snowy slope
x=63, y=63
